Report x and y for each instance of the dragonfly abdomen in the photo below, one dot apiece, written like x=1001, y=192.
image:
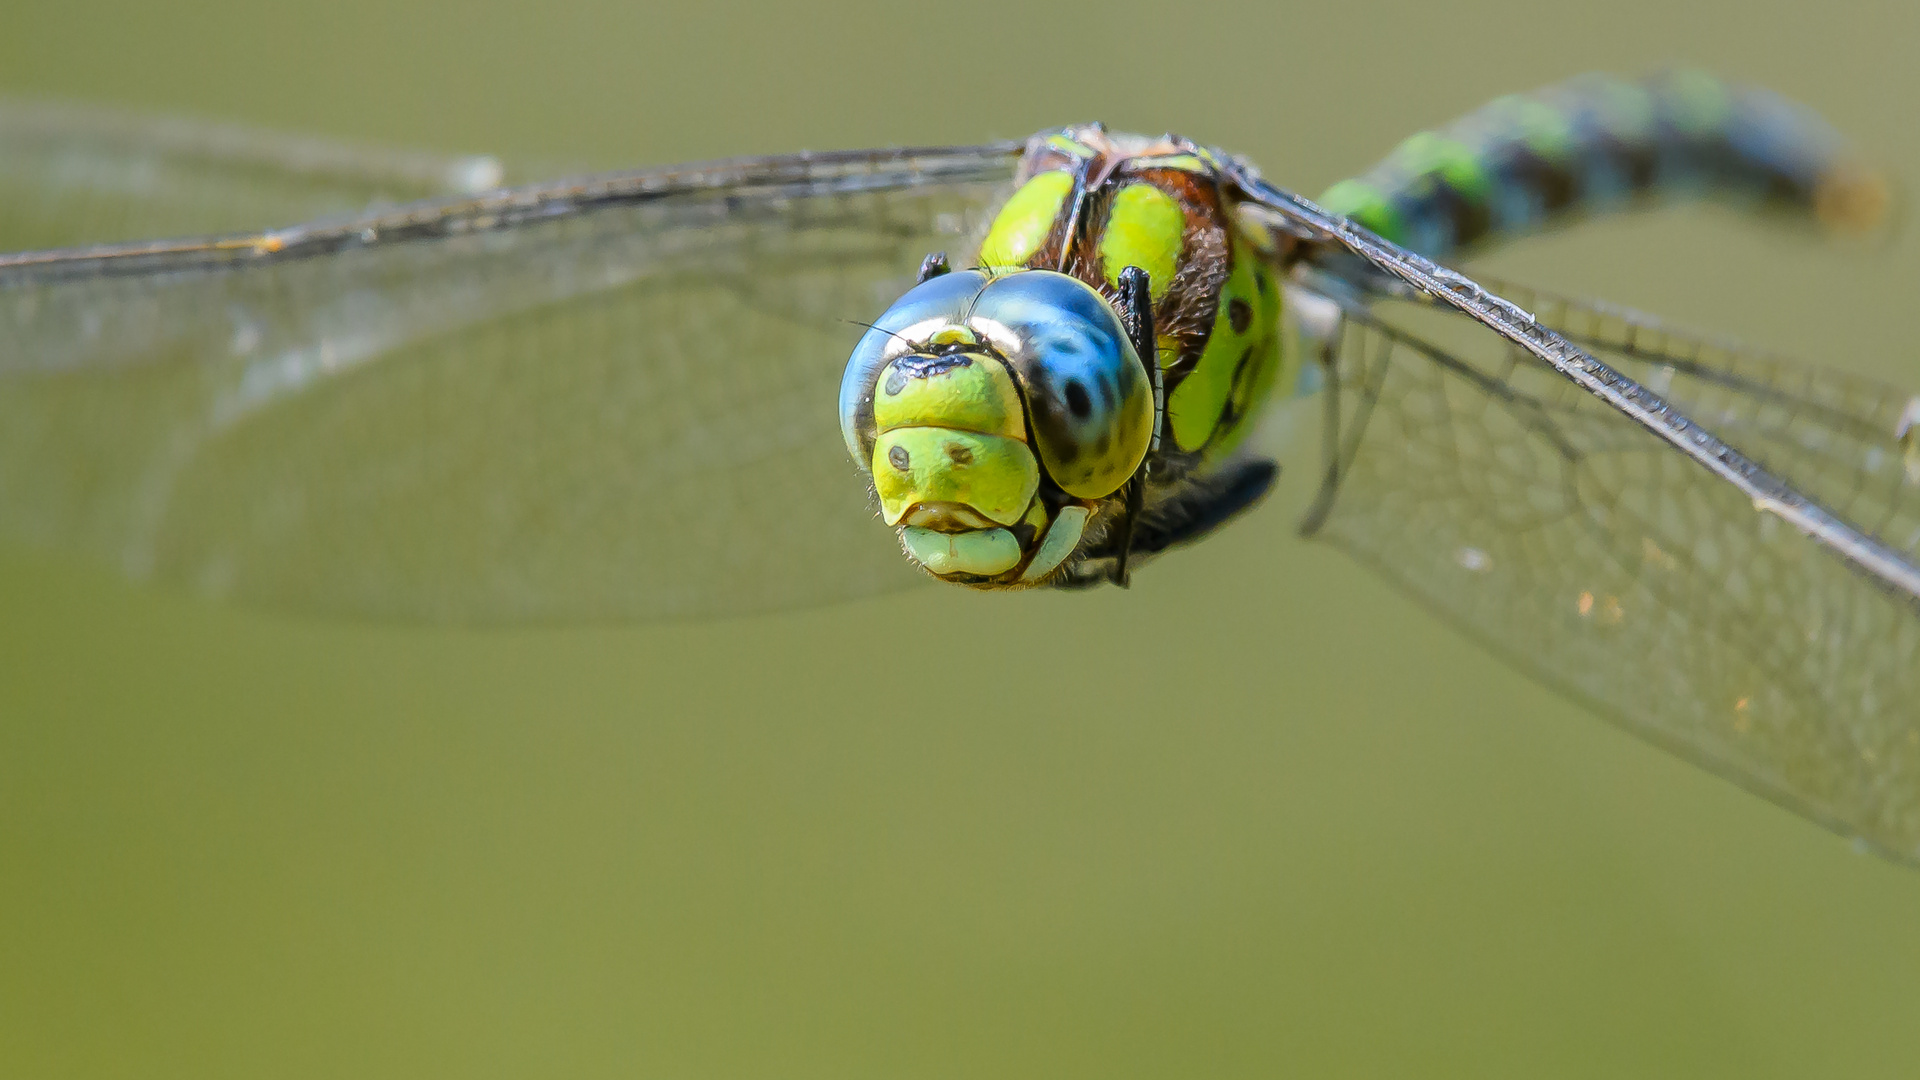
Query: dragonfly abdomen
x=1598, y=143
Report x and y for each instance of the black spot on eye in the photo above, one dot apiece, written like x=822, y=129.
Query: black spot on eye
x=1107, y=392
x=1239, y=315
x=1260, y=278
x=1078, y=403
x=896, y=382
x=897, y=457
x=1103, y=444
x=959, y=454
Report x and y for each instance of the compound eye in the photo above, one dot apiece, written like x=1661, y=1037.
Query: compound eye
x=1088, y=399
x=937, y=301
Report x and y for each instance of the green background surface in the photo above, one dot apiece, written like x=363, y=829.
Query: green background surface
x=1318, y=835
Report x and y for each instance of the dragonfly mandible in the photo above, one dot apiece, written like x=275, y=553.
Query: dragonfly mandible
x=612, y=397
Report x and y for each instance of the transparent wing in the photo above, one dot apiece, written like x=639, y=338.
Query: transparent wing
x=1581, y=546
x=610, y=398
x=72, y=175
x=1847, y=442
x=1351, y=260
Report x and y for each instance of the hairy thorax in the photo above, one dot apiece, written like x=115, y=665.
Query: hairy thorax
x=1090, y=203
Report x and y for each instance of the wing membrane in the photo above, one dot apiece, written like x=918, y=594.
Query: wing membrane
x=608, y=398
x=1843, y=440
x=77, y=175
x=1356, y=261
x=1573, y=540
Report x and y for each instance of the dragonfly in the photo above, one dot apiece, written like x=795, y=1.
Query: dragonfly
x=444, y=394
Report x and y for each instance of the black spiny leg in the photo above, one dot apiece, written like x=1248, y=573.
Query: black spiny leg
x=1135, y=304
x=932, y=267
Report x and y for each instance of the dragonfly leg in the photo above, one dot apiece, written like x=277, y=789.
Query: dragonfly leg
x=1201, y=505
x=1206, y=505
x=1135, y=304
x=932, y=266
x=1325, y=356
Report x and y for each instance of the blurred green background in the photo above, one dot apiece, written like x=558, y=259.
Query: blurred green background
x=1318, y=836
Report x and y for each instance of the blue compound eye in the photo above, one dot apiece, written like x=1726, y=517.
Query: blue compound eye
x=1089, y=403
x=938, y=301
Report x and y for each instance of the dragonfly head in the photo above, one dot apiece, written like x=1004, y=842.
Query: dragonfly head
x=996, y=416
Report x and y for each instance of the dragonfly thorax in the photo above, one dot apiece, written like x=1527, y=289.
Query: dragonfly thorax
x=1092, y=203
x=989, y=496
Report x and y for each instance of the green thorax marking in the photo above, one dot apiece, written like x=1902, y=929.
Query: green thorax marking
x=1091, y=203
x=1026, y=221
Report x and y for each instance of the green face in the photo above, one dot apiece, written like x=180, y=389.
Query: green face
x=995, y=415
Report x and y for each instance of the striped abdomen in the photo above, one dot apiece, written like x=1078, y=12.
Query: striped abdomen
x=1597, y=143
